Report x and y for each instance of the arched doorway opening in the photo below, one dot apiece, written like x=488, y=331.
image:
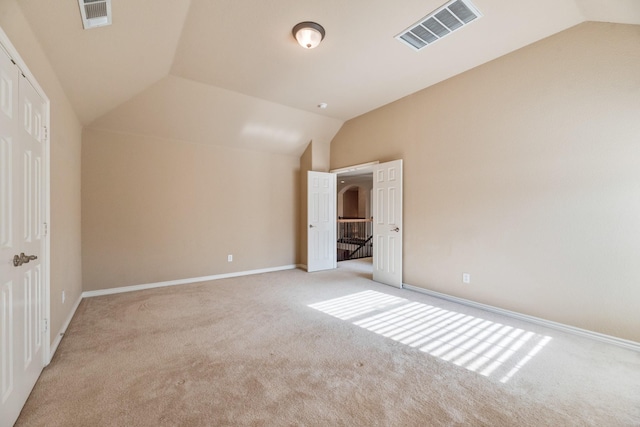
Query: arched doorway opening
x=355, y=226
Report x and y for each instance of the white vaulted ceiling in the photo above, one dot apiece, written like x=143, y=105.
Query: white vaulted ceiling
x=229, y=72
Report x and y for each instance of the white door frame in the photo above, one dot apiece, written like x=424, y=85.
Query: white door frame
x=362, y=167
x=8, y=47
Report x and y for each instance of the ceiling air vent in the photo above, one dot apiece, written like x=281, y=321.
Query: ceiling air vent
x=95, y=13
x=440, y=23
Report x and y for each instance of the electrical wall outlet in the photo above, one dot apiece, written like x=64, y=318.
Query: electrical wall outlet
x=229, y=258
x=466, y=278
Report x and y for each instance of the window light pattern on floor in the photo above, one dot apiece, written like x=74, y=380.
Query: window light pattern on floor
x=479, y=345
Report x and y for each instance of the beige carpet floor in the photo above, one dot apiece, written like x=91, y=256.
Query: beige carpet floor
x=322, y=349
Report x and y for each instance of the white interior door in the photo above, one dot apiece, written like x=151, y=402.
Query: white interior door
x=321, y=218
x=387, y=223
x=22, y=208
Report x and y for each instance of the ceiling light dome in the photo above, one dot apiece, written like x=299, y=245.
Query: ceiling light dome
x=308, y=34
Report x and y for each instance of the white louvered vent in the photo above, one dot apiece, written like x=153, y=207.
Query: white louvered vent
x=95, y=13
x=439, y=23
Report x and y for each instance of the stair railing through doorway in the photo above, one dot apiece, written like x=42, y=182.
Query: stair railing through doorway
x=355, y=238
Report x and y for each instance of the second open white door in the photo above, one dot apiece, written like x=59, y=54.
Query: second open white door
x=387, y=223
x=321, y=221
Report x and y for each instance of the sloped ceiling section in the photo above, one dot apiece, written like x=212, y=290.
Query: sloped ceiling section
x=359, y=65
x=243, y=75
x=618, y=11
x=103, y=67
x=181, y=109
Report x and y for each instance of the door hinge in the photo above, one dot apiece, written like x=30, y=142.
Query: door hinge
x=46, y=133
x=45, y=325
x=46, y=229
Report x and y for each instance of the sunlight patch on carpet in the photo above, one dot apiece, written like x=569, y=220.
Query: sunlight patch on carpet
x=482, y=346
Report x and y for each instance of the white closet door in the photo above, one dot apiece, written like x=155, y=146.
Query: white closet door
x=22, y=298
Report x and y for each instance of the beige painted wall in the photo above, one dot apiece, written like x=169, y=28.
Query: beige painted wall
x=321, y=157
x=524, y=172
x=66, y=272
x=155, y=210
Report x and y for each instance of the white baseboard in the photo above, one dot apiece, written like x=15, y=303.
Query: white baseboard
x=63, y=329
x=631, y=345
x=132, y=288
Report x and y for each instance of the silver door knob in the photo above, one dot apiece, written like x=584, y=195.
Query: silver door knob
x=310, y=225
x=395, y=229
x=18, y=260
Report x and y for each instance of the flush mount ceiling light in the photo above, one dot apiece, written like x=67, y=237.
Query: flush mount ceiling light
x=308, y=34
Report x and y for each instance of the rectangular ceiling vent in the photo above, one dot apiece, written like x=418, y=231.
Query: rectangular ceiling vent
x=95, y=13
x=439, y=23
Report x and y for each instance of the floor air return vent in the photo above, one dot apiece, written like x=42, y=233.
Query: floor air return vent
x=440, y=23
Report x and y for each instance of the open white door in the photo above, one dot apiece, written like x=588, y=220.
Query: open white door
x=387, y=223
x=321, y=219
x=23, y=141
